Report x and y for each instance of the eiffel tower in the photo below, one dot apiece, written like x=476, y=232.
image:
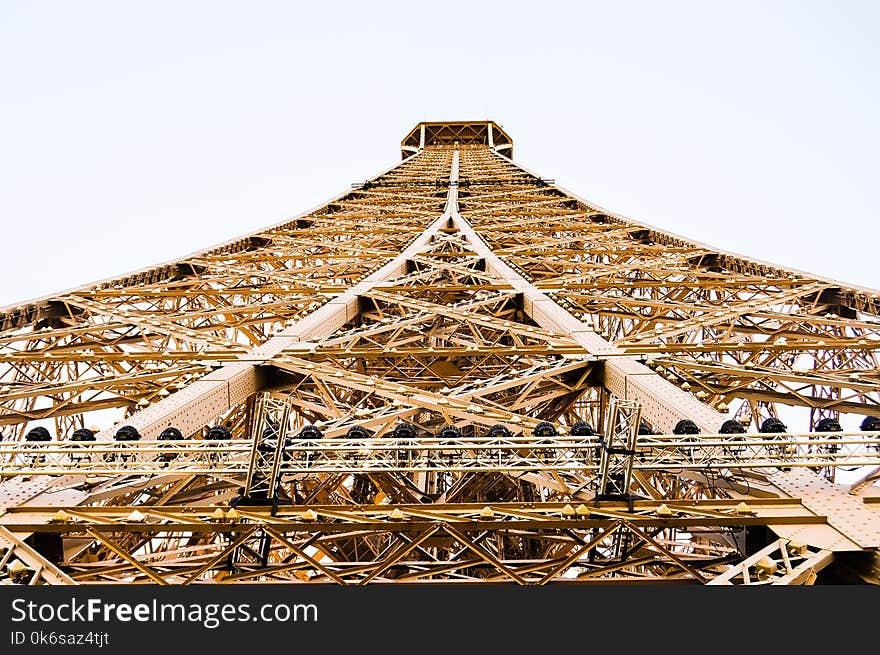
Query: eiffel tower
x=453, y=372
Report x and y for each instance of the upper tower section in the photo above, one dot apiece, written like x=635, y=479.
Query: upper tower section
x=449, y=133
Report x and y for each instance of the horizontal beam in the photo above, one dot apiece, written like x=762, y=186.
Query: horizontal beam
x=317, y=518
x=561, y=454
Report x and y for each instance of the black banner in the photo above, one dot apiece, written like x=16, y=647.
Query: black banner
x=387, y=617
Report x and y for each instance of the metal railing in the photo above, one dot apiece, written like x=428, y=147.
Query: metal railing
x=431, y=454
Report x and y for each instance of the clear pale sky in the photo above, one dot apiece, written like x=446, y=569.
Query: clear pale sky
x=133, y=133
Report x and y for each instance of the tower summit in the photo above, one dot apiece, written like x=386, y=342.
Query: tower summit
x=444, y=133
x=456, y=372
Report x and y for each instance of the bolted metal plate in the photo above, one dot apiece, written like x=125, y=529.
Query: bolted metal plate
x=858, y=521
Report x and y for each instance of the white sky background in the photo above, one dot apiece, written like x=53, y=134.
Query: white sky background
x=133, y=133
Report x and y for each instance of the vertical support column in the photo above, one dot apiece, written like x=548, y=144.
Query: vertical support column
x=427, y=482
x=269, y=429
x=422, y=137
x=618, y=449
x=491, y=136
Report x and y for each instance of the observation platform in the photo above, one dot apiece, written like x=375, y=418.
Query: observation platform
x=446, y=133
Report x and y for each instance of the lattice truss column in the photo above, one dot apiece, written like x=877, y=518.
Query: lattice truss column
x=414, y=376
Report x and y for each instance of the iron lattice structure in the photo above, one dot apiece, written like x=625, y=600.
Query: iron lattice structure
x=455, y=372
